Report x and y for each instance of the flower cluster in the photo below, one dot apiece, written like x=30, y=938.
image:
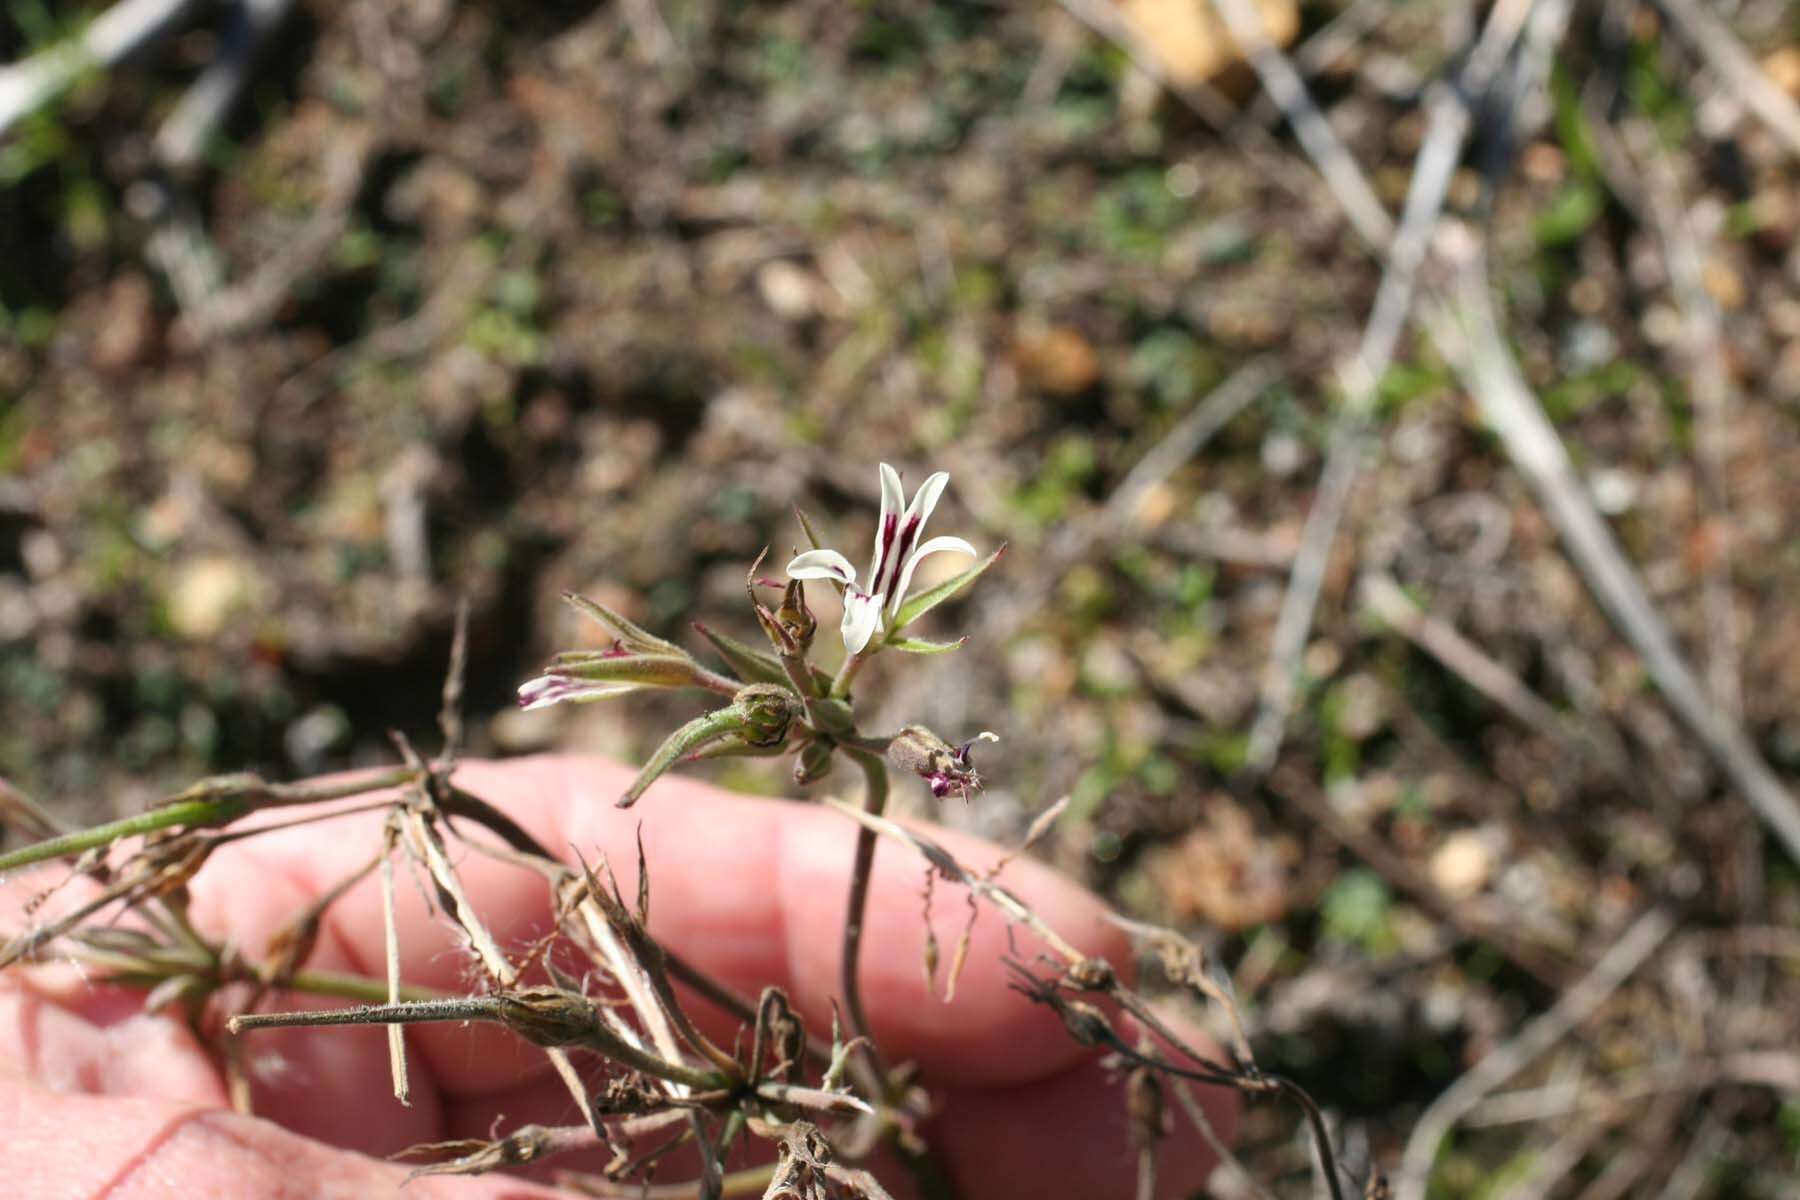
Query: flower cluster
x=898, y=553
x=779, y=702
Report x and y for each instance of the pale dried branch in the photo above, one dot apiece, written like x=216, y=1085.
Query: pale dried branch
x=1513, y=1055
x=1384, y=598
x=113, y=36
x=1735, y=70
x=1466, y=329
x=1712, y=394
x=1448, y=121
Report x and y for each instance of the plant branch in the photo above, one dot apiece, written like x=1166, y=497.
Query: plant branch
x=874, y=802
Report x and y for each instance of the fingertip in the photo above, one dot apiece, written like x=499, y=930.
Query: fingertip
x=1073, y=1134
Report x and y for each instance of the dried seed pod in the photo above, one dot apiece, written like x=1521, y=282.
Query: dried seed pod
x=1085, y=1023
x=547, y=1016
x=1144, y=1102
x=766, y=712
x=814, y=761
x=794, y=617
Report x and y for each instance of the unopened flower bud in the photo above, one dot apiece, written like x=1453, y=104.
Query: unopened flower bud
x=581, y=676
x=547, y=1016
x=945, y=768
x=767, y=711
x=814, y=761
x=1144, y=1107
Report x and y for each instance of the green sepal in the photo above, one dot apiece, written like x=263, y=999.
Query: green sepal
x=630, y=635
x=925, y=601
x=750, y=664
x=645, y=670
x=812, y=535
x=921, y=646
x=734, y=746
x=753, y=665
x=696, y=735
x=834, y=716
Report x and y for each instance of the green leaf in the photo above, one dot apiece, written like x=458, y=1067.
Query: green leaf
x=921, y=646
x=925, y=601
x=630, y=635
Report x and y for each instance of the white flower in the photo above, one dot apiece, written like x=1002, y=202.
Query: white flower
x=897, y=552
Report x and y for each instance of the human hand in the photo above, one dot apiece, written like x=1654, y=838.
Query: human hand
x=101, y=1099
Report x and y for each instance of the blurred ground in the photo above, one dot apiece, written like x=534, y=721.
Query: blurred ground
x=504, y=301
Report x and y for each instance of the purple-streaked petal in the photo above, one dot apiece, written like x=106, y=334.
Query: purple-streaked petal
x=912, y=526
x=912, y=561
x=862, y=620
x=822, y=564
x=926, y=498
x=893, y=499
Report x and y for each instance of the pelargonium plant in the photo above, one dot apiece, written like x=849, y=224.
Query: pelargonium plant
x=823, y=1103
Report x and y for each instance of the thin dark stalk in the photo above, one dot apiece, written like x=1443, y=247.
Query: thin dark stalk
x=474, y=1008
x=874, y=802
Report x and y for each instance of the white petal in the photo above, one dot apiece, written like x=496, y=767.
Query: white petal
x=821, y=564
x=926, y=498
x=912, y=561
x=893, y=499
x=862, y=620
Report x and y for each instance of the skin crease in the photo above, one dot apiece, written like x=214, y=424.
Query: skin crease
x=100, y=1099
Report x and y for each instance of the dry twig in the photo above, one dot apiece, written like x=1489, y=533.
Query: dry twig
x=115, y=35
x=1507, y=1059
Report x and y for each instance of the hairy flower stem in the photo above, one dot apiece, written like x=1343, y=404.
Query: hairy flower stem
x=874, y=801
x=712, y=681
x=799, y=677
x=846, y=676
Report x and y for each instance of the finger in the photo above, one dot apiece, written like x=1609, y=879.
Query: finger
x=1071, y=1134
x=44, y=1043
x=61, y=1028
x=78, y=1146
